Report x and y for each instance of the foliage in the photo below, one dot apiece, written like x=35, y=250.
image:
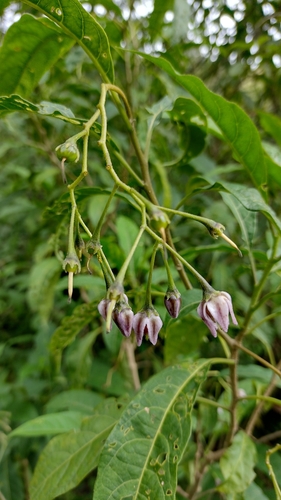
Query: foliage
x=127, y=131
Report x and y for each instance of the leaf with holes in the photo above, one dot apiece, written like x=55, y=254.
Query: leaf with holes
x=31, y=46
x=232, y=122
x=76, y=22
x=150, y=438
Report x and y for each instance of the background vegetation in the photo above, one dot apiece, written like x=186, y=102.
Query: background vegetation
x=64, y=382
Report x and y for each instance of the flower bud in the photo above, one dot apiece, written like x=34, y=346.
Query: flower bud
x=93, y=247
x=103, y=308
x=172, y=302
x=147, y=322
x=215, y=309
x=68, y=151
x=71, y=264
x=158, y=219
x=123, y=317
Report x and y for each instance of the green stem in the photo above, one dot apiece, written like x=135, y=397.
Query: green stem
x=148, y=301
x=121, y=275
x=267, y=399
x=96, y=235
x=271, y=471
x=205, y=285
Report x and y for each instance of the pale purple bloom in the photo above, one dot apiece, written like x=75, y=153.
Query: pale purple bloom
x=147, y=322
x=215, y=311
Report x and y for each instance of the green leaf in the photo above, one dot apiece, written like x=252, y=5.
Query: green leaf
x=53, y=423
x=80, y=400
x=151, y=437
x=182, y=341
x=237, y=464
x=272, y=125
x=76, y=22
x=247, y=220
x=236, y=127
x=43, y=278
x=250, y=198
x=71, y=326
x=31, y=46
x=68, y=458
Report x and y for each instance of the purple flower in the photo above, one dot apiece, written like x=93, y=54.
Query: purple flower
x=215, y=309
x=172, y=302
x=123, y=317
x=147, y=322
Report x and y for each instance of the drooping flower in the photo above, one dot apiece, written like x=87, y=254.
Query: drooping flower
x=172, y=302
x=147, y=322
x=215, y=309
x=123, y=317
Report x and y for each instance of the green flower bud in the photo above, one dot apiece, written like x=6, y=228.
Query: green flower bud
x=71, y=264
x=68, y=151
x=158, y=219
x=93, y=247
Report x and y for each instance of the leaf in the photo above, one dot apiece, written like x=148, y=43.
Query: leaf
x=53, y=423
x=247, y=220
x=76, y=22
x=182, y=339
x=236, y=127
x=43, y=278
x=151, y=437
x=29, y=49
x=71, y=326
x=237, y=464
x=254, y=492
x=68, y=458
x=250, y=198
x=271, y=124
x=80, y=400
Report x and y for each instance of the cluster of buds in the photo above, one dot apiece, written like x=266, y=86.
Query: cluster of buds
x=145, y=323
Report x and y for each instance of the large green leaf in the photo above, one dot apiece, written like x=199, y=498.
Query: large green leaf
x=141, y=455
x=53, y=423
x=31, y=46
x=237, y=464
x=68, y=458
x=76, y=22
x=236, y=127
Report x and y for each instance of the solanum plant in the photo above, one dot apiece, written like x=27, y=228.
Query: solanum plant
x=149, y=205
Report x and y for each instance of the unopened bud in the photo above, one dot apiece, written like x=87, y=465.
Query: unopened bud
x=123, y=317
x=68, y=151
x=172, y=302
x=159, y=220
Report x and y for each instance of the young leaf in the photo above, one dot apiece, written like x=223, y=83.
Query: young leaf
x=68, y=458
x=237, y=464
x=151, y=437
x=236, y=127
x=29, y=49
x=53, y=423
x=76, y=22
